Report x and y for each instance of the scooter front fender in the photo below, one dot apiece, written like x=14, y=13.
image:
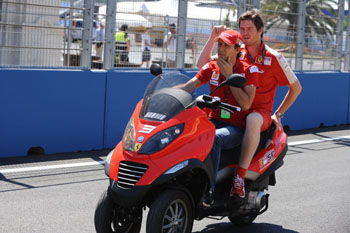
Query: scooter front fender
x=128, y=197
x=189, y=165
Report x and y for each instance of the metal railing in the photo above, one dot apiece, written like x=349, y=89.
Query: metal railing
x=62, y=34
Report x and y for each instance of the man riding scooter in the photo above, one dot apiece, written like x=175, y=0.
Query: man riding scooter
x=273, y=71
x=229, y=127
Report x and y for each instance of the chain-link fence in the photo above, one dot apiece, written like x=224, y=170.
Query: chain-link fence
x=95, y=34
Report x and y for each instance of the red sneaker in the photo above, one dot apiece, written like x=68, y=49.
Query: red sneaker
x=237, y=187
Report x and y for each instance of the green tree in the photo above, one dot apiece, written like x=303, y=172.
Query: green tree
x=279, y=13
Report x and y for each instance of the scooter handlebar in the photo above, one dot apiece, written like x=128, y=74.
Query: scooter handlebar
x=206, y=101
x=229, y=107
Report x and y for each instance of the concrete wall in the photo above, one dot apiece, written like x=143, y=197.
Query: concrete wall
x=65, y=111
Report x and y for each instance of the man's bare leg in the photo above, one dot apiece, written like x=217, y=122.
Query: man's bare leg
x=250, y=143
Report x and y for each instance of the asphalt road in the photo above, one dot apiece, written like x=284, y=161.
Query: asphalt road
x=312, y=194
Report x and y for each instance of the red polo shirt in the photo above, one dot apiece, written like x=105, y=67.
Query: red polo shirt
x=210, y=72
x=273, y=71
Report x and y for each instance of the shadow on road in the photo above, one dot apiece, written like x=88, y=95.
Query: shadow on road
x=255, y=227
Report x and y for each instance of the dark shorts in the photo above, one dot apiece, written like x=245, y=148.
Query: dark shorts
x=146, y=55
x=122, y=53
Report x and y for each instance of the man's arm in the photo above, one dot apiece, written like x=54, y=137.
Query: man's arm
x=244, y=96
x=290, y=97
x=205, y=54
x=128, y=45
x=188, y=86
x=168, y=39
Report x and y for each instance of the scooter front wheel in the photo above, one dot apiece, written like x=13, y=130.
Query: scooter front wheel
x=110, y=217
x=170, y=212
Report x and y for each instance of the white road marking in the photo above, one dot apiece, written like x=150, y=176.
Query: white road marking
x=50, y=167
x=101, y=162
x=317, y=141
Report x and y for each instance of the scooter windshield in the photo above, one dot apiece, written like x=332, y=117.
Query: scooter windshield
x=166, y=96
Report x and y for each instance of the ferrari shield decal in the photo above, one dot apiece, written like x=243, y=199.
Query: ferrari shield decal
x=214, y=79
x=137, y=147
x=215, y=76
x=266, y=159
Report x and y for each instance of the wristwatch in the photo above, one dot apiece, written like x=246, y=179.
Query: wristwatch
x=280, y=114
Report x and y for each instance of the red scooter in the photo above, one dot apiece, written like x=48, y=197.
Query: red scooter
x=163, y=163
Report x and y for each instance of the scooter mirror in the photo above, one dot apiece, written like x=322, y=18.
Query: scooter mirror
x=235, y=80
x=156, y=69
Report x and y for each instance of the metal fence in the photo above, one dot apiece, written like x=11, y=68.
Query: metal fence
x=312, y=35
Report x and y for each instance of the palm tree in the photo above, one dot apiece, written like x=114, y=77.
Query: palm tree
x=277, y=13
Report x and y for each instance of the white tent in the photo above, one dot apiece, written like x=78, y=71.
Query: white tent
x=132, y=20
x=195, y=10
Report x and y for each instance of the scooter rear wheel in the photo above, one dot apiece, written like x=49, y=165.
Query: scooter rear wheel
x=110, y=217
x=242, y=220
x=170, y=212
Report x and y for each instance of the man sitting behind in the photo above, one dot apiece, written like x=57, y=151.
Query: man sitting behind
x=229, y=127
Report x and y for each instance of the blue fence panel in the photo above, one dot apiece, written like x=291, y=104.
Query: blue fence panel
x=124, y=90
x=323, y=101
x=65, y=111
x=60, y=111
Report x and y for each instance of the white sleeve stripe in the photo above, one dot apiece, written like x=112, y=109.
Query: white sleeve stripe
x=284, y=65
x=287, y=70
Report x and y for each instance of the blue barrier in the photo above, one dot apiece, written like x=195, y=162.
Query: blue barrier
x=324, y=100
x=65, y=111
x=60, y=111
x=124, y=90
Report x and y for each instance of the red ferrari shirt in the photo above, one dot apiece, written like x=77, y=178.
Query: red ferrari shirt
x=210, y=72
x=273, y=71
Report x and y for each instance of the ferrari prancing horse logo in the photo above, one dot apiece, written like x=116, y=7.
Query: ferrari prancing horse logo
x=137, y=147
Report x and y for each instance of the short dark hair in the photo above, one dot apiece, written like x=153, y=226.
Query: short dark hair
x=172, y=25
x=124, y=27
x=253, y=15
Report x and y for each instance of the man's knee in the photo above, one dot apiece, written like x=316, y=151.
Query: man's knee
x=218, y=141
x=254, y=121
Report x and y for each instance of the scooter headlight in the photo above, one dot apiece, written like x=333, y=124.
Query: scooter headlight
x=161, y=139
x=108, y=162
x=129, y=136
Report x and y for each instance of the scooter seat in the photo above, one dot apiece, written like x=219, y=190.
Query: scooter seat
x=232, y=156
